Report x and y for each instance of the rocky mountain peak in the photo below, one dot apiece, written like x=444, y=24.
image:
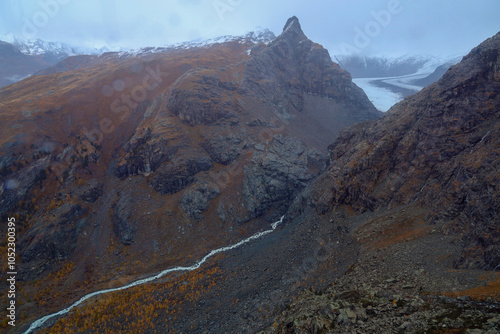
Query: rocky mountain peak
x=292, y=22
x=292, y=27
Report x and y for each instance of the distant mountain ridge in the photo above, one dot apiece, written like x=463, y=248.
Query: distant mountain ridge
x=383, y=67
x=436, y=74
x=387, y=80
x=19, y=62
x=20, y=59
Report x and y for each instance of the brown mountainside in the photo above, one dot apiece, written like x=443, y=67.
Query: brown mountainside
x=418, y=190
x=438, y=150
x=124, y=164
x=398, y=234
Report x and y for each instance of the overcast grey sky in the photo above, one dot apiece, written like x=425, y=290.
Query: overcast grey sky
x=372, y=27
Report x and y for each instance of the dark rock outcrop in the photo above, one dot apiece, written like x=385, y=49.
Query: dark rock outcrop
x=124, y=224
x=180, y=172
x=16, y=186
x=145, y=154
x=52, y=238
x=277, y=174
x=195, y=200
x=223, y=149
x=91, y=192
x=200, y=97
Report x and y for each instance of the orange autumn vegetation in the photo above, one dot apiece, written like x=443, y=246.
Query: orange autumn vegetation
x=491, y=288
x=139, y=309
x=50, y=294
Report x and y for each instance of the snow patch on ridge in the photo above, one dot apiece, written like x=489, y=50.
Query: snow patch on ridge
x=260, y=35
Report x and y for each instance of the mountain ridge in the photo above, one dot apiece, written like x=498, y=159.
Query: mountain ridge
x=38, y=57
x=164, y=155
x=375, y=242
x=123, y=166
x=457, y=118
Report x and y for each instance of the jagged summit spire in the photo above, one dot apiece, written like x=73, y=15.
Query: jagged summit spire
x=293, y=28
x=292, y=22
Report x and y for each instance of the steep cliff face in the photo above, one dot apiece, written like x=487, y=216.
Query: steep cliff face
x=438, y=149
x=288, y=95
x=165, y=153
x=418, y=190
x=293, y=67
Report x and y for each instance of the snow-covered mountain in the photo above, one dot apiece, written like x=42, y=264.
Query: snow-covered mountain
x=388, y=66
x=21, y=59
x=260, y=35
x=39, y=47
x=374, y=67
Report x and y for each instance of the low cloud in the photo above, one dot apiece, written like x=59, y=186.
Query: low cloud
x=362, y=26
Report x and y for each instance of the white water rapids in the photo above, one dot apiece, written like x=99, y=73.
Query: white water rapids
x=36, y=324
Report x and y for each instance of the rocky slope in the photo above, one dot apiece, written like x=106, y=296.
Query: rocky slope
x=121, y=164
x=355, y=304
x=438, y=150
x=398, y=234
x=418, y=190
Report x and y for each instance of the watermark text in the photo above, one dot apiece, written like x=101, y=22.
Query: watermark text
x=11, y=273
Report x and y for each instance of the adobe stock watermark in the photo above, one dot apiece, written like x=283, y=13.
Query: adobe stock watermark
x=365, y=35
x=223, y=6
x=48, y=10
x=128, y=101
x=11, y=271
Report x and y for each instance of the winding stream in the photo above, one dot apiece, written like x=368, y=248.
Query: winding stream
x=38, y=323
